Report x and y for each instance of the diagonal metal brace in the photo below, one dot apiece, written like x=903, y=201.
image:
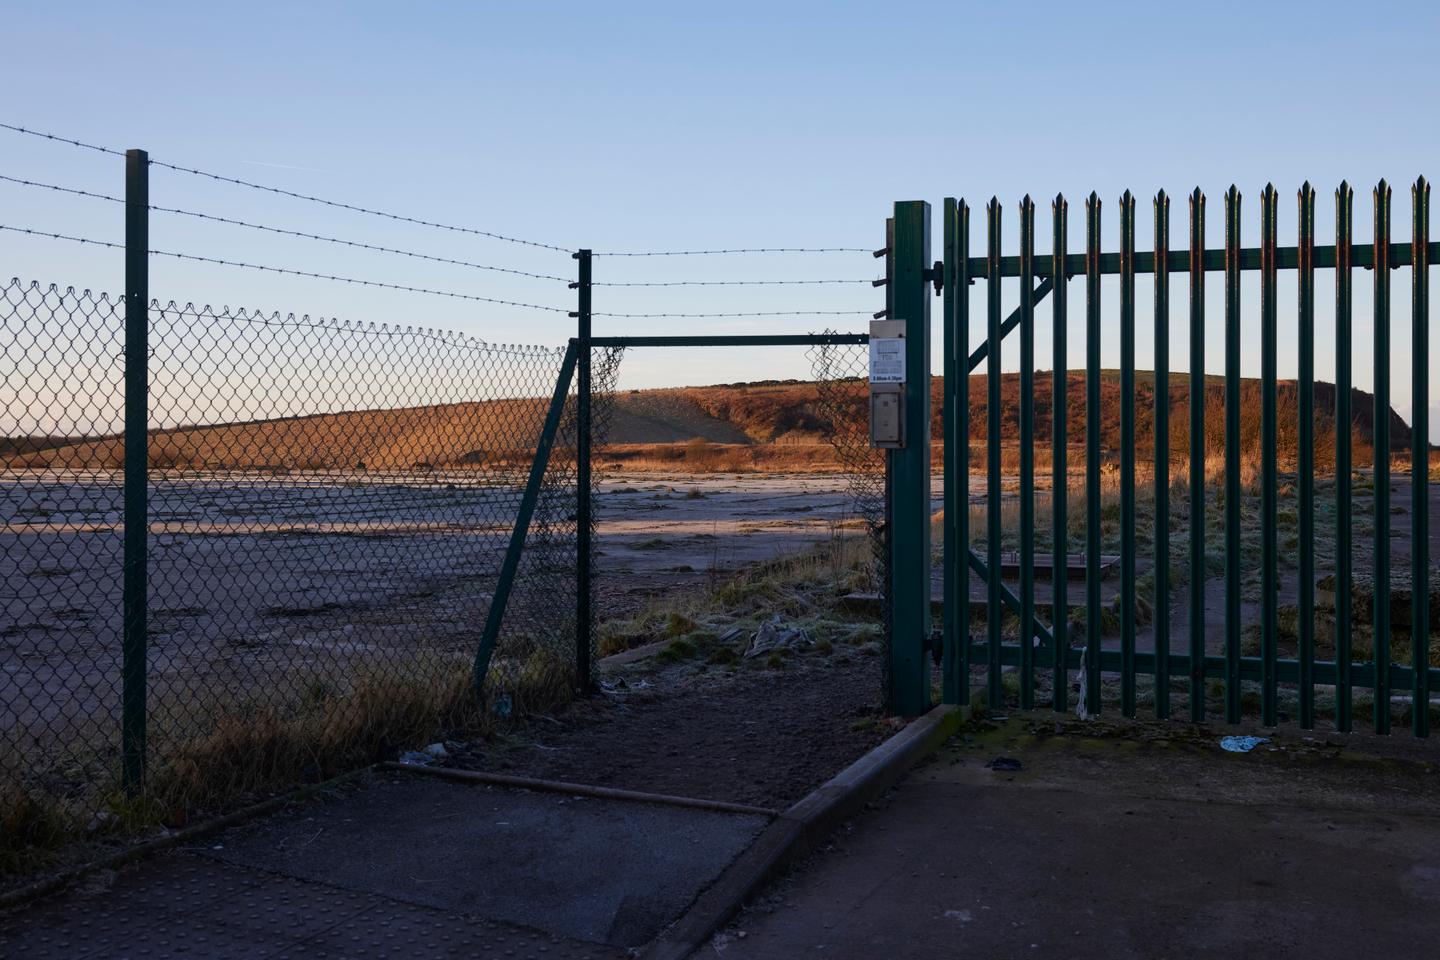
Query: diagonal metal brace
x=1011, y=601
x=511, y=565
x=1042, y=289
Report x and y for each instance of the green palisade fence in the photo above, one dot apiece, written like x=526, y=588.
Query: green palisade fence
x=1317, y=664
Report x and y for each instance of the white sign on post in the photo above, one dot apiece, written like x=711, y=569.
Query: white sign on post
x=887, y=360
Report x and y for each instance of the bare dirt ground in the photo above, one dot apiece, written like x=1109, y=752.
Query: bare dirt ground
x=752, y=735
x=249, y=577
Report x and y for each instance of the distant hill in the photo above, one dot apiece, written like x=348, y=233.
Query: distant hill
x=766, y=425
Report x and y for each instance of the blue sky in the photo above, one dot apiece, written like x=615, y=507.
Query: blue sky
x=675, y=126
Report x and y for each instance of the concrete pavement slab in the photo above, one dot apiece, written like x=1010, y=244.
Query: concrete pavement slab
x=1121, y=849
x=400, y=867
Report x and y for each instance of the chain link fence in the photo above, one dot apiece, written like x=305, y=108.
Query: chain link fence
x=841, y=373
x=329, y=505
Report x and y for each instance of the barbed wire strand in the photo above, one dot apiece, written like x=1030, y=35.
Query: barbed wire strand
x=709, y=253
x=720, y=283
x=59, y=139
x=287, y=232
x=221, y=178
x=289, y=271
x=360, y=245
x=762, y=313
x=354, y=208
x=339, y=205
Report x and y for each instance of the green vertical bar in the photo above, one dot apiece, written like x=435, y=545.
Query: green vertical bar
x=583, y=493
x=1127, y=454
x=910, y=498
x=1162, y=456
x=1092, y=454
x=950, y=600
x=1305, y=468
x=1381, y=273
x=1197, y=456
x=1344, y=562
x=961, y=432
x=1232, y=455
x=1420, y=455
x=135, y=630
x=1060, y=468
x=993, y=609
x=1269, y=505
x=950, y=582
x=1027, y=454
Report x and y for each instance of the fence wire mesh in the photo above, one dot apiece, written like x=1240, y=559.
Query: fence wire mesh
x=841, y=373
x=329, y=506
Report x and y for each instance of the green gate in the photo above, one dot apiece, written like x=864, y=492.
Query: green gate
x=1099, y=638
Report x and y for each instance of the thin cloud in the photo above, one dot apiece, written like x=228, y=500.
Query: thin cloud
x=283, y=166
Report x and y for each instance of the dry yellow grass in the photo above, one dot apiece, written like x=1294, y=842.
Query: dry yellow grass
x=247, y=751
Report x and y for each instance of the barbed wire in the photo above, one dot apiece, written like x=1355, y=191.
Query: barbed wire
x=708, y=253
x=762, y=313
x=289, y=271
x=339, y=205
x=293, y=194
x=720, y=283
x=341, y=241
x=59, y=139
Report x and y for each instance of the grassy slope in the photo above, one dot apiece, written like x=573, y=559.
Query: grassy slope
x=747, y=426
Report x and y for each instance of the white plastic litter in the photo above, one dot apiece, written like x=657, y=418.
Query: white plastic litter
x=773, y=636
x=1241, y=744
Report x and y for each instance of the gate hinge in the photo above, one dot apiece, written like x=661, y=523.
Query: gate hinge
x=935, y=275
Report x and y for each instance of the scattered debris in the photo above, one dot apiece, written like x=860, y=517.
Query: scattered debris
x=417, y=756
x=102, y=820
x=437, y=751
x=619, y=685
x=773, y=636
x=1008, y=764
x=1241, y=744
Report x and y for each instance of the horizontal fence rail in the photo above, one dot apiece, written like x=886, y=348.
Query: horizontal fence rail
x=1279, y=653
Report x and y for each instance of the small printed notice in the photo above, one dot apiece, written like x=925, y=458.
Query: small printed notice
x=887, y=360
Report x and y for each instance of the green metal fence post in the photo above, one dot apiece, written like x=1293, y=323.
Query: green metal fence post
x=1344, y=563
x=993, y=516
x=1027, y=455
x=1305, y=468
x=1420, y=456
x=955, y=685
x=510, y=566
x=1381, y=272
x=1232, y=456
x=1127, y=454
x=1269, y=505
x=583, y=494
x=1093, y=632
x=1059, y=467
x=1197, y=457
x=134, y=642
x=910, y=537
x=1162, y=456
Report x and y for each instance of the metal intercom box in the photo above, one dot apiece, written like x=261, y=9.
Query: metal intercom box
x=887, y=384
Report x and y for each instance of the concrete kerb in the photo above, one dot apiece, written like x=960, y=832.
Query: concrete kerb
x=799, y=830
